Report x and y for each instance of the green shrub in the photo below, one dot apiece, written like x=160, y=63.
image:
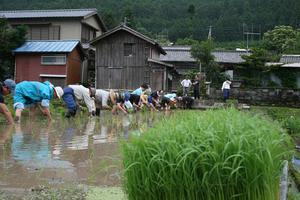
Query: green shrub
x=211, y=155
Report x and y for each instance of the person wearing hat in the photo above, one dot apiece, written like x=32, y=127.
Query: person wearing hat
x=29, y=94
x=104, y=99
x=83, y=94
x=7, y=87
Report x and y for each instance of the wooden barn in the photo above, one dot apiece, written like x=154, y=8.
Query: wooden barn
x=58, y=61
x=126, y=58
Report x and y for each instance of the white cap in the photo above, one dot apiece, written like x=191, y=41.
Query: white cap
x=59, y=92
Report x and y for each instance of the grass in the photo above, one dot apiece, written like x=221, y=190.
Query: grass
x=212, y=155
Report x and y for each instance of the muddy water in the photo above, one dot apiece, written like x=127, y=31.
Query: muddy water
x=79, y=150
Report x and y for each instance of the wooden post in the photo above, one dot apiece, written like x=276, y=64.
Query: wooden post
x=284, y=182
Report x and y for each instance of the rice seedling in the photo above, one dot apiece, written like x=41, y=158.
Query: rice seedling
x=211, y=155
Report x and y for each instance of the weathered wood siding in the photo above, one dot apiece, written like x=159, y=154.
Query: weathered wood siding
x=116, y=71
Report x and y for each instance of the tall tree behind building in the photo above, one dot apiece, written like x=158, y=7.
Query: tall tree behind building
x=10, y=38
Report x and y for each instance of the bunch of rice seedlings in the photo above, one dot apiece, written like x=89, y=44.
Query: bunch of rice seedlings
x=211, y=155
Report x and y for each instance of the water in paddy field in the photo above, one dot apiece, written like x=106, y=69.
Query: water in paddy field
x=81, y=150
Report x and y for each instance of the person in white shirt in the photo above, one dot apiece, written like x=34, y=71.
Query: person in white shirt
x=104, y=99
x=85, y=94
x=226, y=89
x=186, y=84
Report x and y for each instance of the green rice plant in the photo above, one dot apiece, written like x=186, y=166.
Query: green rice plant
x=292, y=124
x=211, y=155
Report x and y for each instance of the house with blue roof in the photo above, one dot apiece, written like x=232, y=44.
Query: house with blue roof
x=62, y=24
x=58, y=61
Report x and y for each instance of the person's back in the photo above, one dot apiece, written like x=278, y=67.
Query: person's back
x=83, y=94
x=34, y=91
x=69, y=99
x=102, y=96
x=138, y=91
x=79, y=91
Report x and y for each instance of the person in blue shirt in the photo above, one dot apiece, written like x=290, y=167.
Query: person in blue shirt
x=140, y=90
x=29, y=94
x=135, y=96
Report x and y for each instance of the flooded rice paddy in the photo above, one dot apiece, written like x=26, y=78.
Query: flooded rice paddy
x=81, y=150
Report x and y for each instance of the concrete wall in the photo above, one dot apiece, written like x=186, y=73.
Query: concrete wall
x=262, y=96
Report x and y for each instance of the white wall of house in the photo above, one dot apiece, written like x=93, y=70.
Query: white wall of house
x=70, y=29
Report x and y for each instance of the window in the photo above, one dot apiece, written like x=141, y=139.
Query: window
x=128, y=49
x=43, y=32
x=87, y=33
x=54, y=60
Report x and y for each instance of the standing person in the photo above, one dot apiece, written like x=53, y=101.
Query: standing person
x=7, y=87
x=196, y=86
x=30, y=94
x=226, y=89
x=85, y=94
x=186, y=84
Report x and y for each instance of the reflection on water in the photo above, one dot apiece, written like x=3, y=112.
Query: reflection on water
x=83, y=150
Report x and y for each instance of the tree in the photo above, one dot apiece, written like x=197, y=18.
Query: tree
x=186, y=41
x=10, y=38
x=281, y=39
x=191, y=10
x=202, y=52
x=253, y=70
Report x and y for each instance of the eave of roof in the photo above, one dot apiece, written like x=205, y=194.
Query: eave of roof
x=50, y=46
x=160, y=62
x=16, y=14
x=133, y=32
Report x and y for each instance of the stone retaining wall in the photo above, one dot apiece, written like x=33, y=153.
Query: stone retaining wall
x=262, y=96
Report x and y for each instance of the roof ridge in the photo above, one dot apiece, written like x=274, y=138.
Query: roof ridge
x=70, y=40
x=49, y=10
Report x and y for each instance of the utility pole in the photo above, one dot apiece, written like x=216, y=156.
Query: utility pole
x=252, y=34
x=209, y=33
x=125, y=21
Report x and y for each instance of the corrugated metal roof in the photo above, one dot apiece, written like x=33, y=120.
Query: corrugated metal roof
x=11, y=14
x=51, y=46
x=123, y=27
x=290, y=59
x=177, y=54
x=183, y=54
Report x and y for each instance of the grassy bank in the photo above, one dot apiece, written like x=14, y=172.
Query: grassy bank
x=223, y=154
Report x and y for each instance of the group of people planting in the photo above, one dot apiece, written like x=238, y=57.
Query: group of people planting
x=33, y=94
